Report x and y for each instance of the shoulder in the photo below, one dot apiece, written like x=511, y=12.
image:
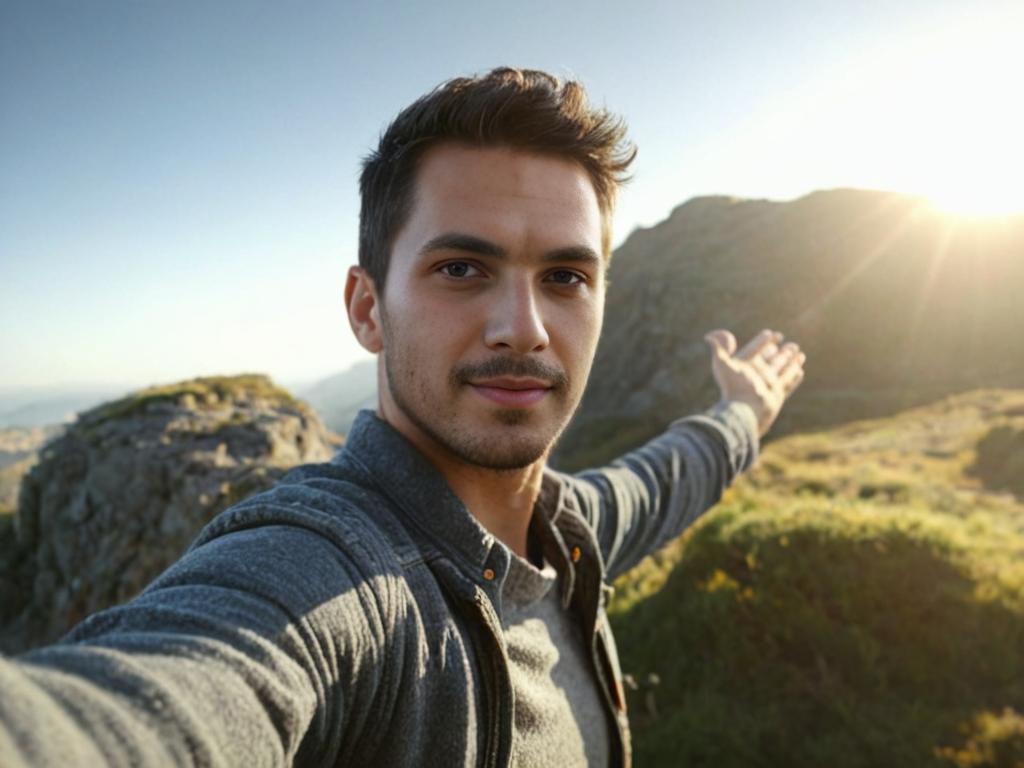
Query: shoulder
x=323, y=501
x=316, y=543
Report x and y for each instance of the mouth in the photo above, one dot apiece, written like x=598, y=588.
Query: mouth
x=511, y=391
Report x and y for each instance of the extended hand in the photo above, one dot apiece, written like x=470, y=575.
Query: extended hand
x=762, y=374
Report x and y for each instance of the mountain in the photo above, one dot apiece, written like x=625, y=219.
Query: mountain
x=338, y=398
x=856, y=600
x=32, y=408
x=122, y=492
x=895, y=304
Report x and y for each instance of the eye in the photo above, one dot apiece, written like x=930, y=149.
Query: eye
x=566, y=277
x=459, y=269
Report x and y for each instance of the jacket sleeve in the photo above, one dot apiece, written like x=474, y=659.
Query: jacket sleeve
x=649, y=496
x=245, y=652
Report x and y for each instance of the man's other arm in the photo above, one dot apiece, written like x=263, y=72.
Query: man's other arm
x=235, y=656
x=649, y=496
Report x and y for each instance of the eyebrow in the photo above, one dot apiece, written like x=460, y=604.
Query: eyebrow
x=459, y=241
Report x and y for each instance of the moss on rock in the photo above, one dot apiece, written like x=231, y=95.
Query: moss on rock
x=201, y=392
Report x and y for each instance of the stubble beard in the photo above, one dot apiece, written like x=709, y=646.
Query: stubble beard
x=497, y=449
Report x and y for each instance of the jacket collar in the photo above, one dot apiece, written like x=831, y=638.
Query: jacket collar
x=438, y=519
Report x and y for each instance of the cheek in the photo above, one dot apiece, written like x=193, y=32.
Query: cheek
x=581, y=341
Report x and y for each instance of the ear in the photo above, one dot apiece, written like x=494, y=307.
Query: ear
x=364, y=309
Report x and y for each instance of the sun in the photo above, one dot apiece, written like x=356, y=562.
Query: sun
x=967, y=141
x=980, y=198
x=935, y=111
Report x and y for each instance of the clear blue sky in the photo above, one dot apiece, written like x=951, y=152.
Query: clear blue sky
x=178, y=180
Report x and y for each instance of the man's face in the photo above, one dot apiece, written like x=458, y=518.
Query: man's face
x=492, y=306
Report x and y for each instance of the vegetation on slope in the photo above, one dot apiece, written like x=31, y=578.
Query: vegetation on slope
x=858, y=600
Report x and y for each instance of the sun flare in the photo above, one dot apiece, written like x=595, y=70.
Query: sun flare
x=979, y=200
x=937, y=115
x=966, y=121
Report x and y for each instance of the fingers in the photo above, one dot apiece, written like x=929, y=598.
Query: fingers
x=791, y=374
x=779, y=358
x=769, y=374
x=757, y=345
x=780, y=367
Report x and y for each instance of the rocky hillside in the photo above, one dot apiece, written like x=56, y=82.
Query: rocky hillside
x=895, y=304
x=19, y=447
x=856, y=601
x=123, y=492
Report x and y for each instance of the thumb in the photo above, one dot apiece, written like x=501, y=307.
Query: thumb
x=722, y=343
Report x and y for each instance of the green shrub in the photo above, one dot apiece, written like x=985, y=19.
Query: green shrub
x=809, y=634
x=993, y=741
x=1000, y=459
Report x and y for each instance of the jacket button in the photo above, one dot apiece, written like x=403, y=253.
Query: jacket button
x=489, y=574
x=576, y=553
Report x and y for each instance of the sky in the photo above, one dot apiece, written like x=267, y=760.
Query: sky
x=178, y=180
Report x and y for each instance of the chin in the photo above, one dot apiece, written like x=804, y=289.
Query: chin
x=502, y=449
x=510, y=442
x=499, y=439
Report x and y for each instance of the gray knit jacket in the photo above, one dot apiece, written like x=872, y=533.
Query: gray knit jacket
x=351, y=616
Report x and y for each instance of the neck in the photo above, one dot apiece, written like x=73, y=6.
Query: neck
x=502, y=501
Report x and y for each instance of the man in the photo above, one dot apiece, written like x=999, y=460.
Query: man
x=435, y=595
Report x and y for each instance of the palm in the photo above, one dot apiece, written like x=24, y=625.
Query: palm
x=762, y=374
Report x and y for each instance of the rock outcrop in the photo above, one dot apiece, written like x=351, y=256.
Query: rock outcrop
x=123, y=492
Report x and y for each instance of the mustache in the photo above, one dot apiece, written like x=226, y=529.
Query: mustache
x=510, y=366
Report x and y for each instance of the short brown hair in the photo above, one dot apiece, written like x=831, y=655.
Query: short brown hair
x=519, y=108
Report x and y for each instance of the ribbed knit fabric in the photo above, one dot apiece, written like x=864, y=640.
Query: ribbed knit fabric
x=559, y=718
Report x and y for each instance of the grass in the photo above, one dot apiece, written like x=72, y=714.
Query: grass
x=196, y=393
x=857, y=600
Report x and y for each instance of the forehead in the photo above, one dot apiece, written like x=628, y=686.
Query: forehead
x=507, y=194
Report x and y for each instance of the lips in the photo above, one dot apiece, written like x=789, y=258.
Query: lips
x=512, y=392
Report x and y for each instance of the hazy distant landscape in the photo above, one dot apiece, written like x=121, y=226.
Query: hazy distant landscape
x=857, y=600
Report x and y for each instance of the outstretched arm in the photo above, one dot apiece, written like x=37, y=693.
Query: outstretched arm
x=649, y=496
x=243, y=653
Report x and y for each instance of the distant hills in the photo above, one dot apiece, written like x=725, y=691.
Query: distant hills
x=895, y=304
x=338, y=398
x=27, y=409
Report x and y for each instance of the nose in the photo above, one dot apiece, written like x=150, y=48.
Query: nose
x=515, y=321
